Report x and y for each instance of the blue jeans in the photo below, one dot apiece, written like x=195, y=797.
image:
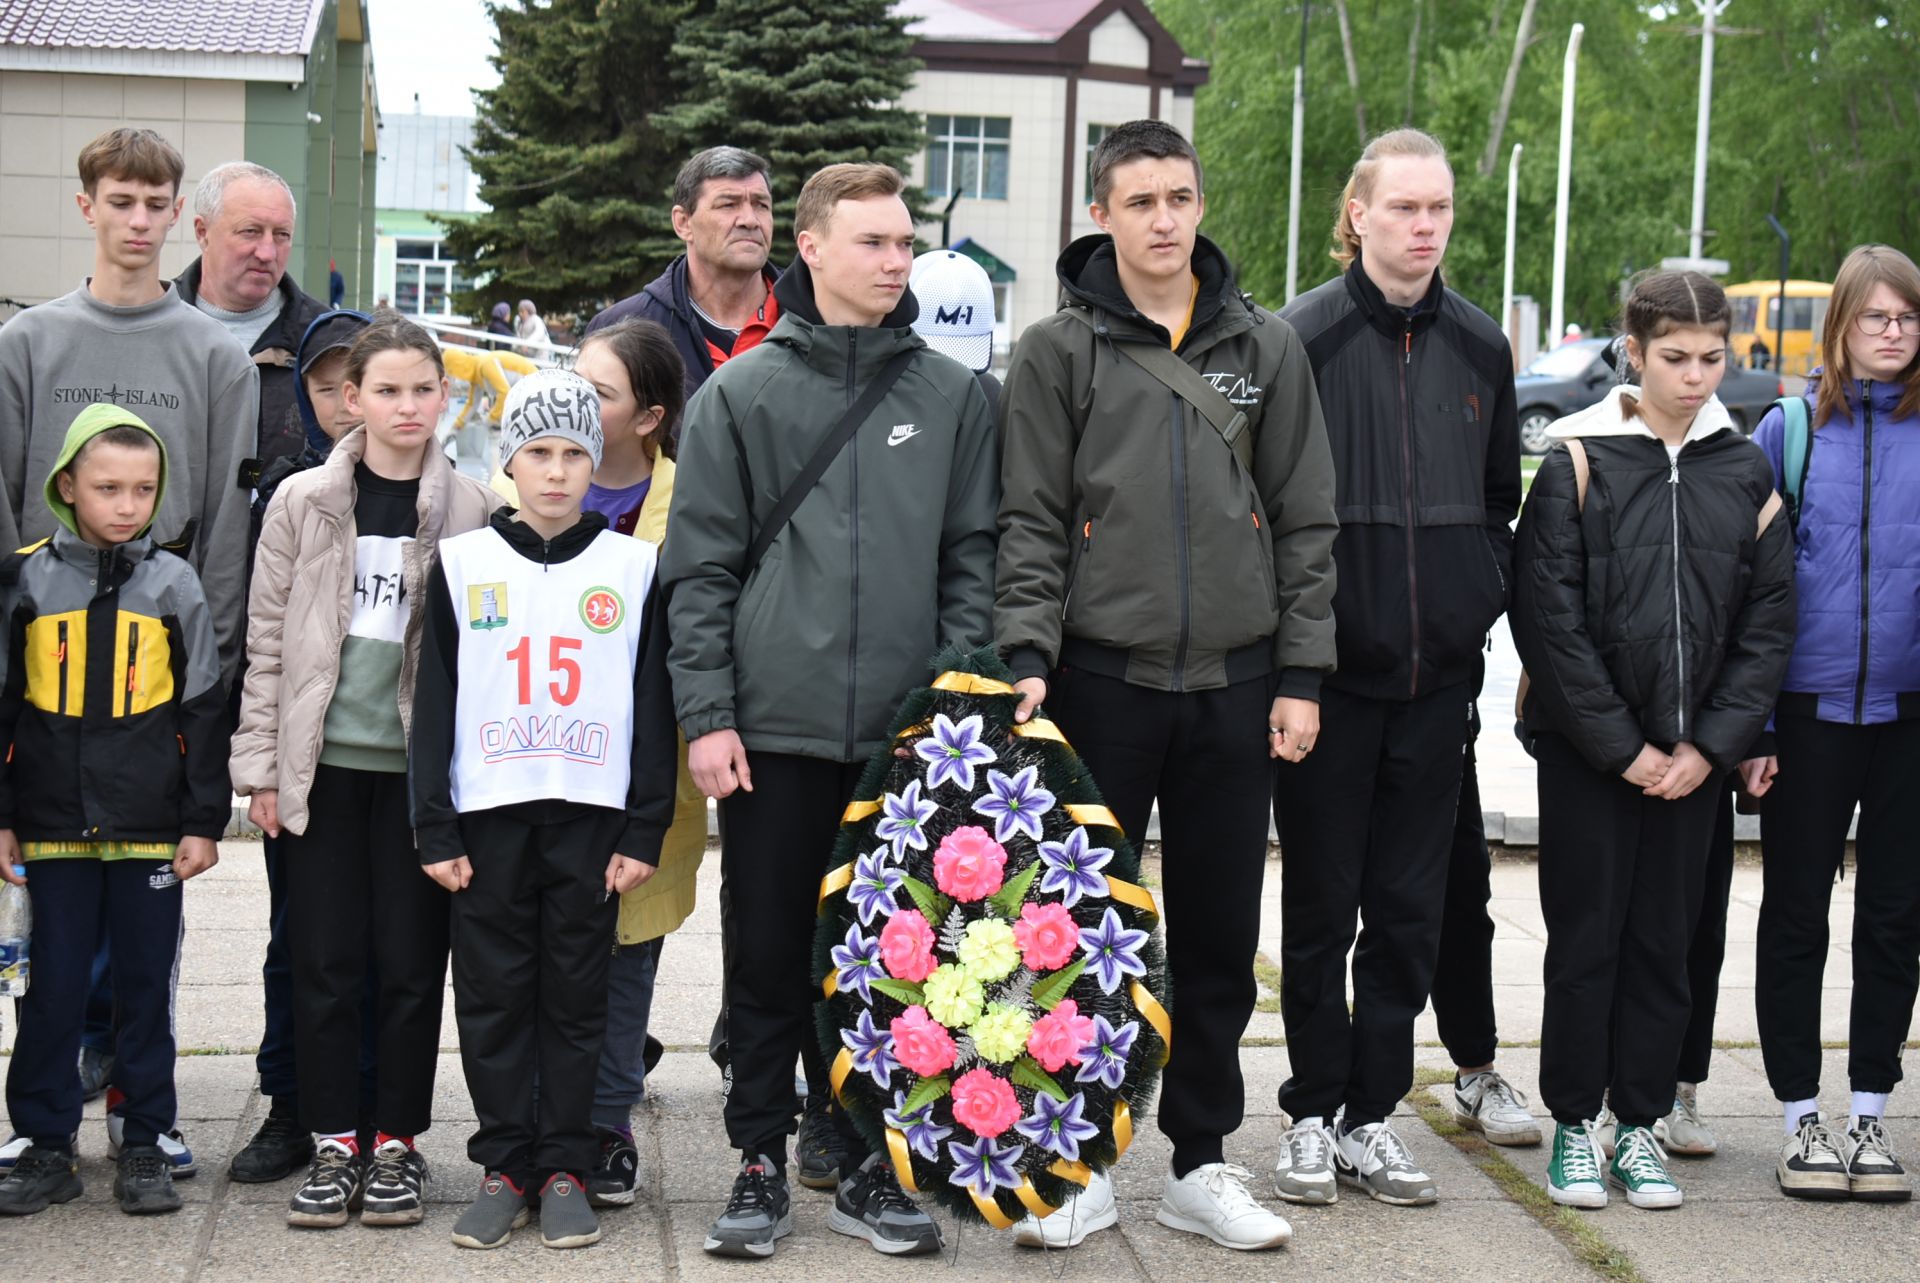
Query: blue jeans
x=622, y=1083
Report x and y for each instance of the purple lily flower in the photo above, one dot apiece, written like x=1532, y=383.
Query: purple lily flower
x=1015, y=804
x=1058, y=1125
x=984, y=1166
x=1104, y=1060
x=872, y=1049
x=1073, y=867
x=1113, y=951
x=923, y=1134
x=903, y=820
x=857, y=960
x=873, y=886
x=953, y=750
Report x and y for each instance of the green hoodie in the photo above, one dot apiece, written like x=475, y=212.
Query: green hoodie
x=88, y=424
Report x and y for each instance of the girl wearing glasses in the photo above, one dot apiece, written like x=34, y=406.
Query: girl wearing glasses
x=1847, y=731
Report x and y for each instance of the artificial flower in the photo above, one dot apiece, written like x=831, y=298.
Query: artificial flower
x=921, y=1043
x=969, y=864
x=1073, y=867
x=857, y=961
x=1113, y=951
x=1015, y=803
x=1058, y=1125
x=903, y=819
x=906, y=946
x=1000, y=1034
x=1047, y=935
x=874, y=883
x=988, y=950
x=953, y=997
x=984, y=1103
x=953, y=750
x=1104, y=1058
x=1059, y=1035
x=923, y=1134
x=872, y=1049
x=983, y=1166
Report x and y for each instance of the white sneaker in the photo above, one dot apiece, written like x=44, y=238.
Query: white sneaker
x=1487, y=1103
x=11, y=1151
x=1375, y=1159
x=1079, y=1216
x=1683, y=1131
x=172, y=1144
x=1604, y=1129
x=1304, y=1172
x=1212, y=1200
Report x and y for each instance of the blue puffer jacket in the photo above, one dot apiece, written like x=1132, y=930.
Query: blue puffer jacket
x=1856, y=653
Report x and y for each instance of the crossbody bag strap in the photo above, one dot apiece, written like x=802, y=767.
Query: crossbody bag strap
x=829, y=449
x=1186, y=383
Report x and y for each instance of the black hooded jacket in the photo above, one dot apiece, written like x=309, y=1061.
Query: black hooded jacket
x=1420, y=412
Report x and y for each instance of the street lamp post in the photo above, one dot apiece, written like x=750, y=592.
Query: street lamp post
x=1513, y=209
x=1293, y=180
x=1557, y=315
x=1697, y=233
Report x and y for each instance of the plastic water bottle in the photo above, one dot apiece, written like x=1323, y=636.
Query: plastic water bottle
x=16, y=930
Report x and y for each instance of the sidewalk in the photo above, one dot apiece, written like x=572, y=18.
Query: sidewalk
x=1733, y=1225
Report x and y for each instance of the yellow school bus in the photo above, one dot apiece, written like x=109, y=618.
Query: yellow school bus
x=1756, y=312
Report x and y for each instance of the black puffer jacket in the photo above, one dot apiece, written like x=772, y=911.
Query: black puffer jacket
x=1426, y=446
x=1660, y=612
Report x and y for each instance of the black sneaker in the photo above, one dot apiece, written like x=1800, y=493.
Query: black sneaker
x=335, y=1185
x=871, y=1205
x=491, y=1219
x=650, y=1053
x=566, y=1217
x=40, y=1178
x=144, y=1183
x=396, y=1177
x=278, y=1150
x=819, y=1151
x=616, y=1173
x=759, y=1211
x=96, y=1072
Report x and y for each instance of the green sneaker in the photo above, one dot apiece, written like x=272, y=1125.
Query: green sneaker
x=1640, y=1168
x=1576, y=1176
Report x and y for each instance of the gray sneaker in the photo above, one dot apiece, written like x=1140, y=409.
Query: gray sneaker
x=1683, y=1131
x=758, y=1212
x=871, y=1205
x=1304, y=1172
x=1374, y=1158
x=1874, y=1173
x=491, y=1219
x=96, y=1072
x=566, y=1217
x=1487, y=1103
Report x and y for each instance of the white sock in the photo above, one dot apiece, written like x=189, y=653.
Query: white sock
x=1869, y=1104
x=1795, y=1110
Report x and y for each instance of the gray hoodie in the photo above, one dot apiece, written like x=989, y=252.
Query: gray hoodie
x=182, y=373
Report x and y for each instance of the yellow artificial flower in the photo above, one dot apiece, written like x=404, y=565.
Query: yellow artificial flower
x=988, y=951
x=1001, y=1034
x=953, y=996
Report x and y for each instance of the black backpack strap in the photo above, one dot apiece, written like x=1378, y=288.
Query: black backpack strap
x=830, y=447
x=1185, y=382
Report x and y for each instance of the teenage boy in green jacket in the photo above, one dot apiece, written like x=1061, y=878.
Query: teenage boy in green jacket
x=786, y=674
x=1169, y=594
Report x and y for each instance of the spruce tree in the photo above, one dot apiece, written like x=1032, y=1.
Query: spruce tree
x=802, y=85
x=571, y=156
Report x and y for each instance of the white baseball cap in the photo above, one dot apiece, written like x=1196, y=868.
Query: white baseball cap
x=956, y=306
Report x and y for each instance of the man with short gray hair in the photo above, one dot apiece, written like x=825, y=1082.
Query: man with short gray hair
x=243, y=217
x=716, y=300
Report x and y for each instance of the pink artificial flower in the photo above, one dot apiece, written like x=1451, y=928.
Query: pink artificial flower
x=906, y=946
x=969, y=865
x=983, y=1103
x=1057, y=1037
x=1047, y=935
x=922, y=1044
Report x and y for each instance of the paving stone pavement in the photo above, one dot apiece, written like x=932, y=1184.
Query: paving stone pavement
x=1734, y=1223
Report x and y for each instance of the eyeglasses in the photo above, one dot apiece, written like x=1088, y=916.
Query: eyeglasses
x=1877, y=322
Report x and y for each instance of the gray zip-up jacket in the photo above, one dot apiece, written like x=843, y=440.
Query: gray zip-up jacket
x=887, y=560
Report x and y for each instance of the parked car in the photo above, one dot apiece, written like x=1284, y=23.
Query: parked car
x=1574, y=375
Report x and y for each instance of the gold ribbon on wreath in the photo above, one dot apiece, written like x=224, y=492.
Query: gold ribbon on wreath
x=838, y=880
x=1081, y=813
x=842, y=1066
x=1122, y=1127
x=1156, y=1016
x=970, y=684
x=902, y=1159
x=1040, y=729
x=1134, y=894
x=858, y=811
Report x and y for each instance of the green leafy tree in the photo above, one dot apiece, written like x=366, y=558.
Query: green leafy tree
x=803, y=85
x=571, y=155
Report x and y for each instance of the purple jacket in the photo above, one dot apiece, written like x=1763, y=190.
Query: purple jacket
x=1856, y=653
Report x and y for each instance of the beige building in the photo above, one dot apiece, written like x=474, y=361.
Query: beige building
x=287, y=84
x=1015, y=96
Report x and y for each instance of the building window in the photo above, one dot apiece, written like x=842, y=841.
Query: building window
x=425, y=278
x=968, y=154
x=1094, y=134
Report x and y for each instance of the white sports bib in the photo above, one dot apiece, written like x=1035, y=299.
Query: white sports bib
x=545, y=707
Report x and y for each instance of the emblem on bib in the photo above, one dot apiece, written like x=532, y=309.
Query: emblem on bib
x=601, y=609
x=486, y=606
